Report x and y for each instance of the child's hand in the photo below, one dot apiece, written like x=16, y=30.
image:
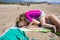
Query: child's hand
x=36, y=21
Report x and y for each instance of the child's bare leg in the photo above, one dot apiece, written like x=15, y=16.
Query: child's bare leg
x=54, y=20
x=48, y=25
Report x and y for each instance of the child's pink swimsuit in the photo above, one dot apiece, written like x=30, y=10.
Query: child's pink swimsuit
x=33, y=14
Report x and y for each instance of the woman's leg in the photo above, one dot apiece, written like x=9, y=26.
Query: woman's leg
x=54, y=20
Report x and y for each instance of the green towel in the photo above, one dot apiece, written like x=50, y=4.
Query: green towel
x=14, y=34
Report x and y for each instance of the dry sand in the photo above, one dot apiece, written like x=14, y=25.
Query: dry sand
x=8, y=14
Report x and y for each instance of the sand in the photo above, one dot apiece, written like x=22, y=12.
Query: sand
x=9, y=13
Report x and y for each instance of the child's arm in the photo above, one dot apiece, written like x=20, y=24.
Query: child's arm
x=30, y=24
x=28, y=17
x=36, y=21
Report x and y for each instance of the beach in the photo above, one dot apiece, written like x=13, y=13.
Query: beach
x=9, y=13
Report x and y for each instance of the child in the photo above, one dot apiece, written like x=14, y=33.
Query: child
x=22, y=23
x=39, y=17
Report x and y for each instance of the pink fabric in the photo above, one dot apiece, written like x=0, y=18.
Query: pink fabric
x=33, y=14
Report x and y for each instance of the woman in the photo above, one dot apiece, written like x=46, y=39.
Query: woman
x=39, y=17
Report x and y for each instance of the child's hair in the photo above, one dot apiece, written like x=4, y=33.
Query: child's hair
x=20, y=18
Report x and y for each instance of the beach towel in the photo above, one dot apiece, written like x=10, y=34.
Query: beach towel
x=14, y=34
x=44, y=30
